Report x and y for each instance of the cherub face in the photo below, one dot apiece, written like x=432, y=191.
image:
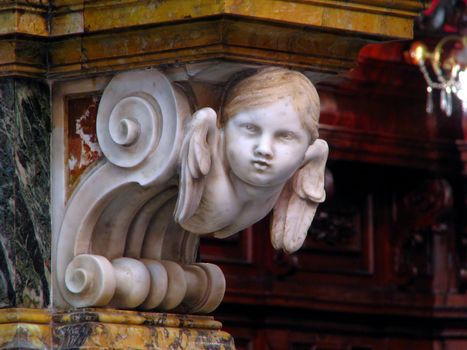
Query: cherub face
x=266, y=145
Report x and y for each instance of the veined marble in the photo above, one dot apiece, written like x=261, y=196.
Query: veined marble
x=114, y=329
x=83, y=149
x=25, y=233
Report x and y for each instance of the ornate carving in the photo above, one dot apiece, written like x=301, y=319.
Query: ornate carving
x=419, y=217
x=119, y=244
x=337, y=223
x=130, y=130
x=269, y=137
x=335, y=227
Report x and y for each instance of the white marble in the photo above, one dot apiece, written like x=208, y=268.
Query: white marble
x=129, y=234
x=233, y=176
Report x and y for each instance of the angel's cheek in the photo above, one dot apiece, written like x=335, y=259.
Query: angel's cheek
x=237, y=158
x=287, y=162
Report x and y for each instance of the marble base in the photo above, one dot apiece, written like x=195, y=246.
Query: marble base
x=109, y=329
x=25, y=329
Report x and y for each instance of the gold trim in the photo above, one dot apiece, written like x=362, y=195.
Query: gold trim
x=327, y=14
x=108, y=328
x=137, y=318
x=24, y=18
x=403, y=8
x=235, y=39
x=73, y=38
x=15, y=315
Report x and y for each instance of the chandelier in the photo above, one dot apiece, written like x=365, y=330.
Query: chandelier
x=444, y=69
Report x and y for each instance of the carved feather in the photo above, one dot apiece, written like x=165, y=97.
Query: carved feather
x=308, y=182
x=297, y=204
x=279, y=217
x=300, y=214
x=195, y=162
x=202, y=153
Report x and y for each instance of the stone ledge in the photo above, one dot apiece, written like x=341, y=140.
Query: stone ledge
x=380, y=17
x=108, y=328
x=70, y=38
x=239, y=40
x=24, y=17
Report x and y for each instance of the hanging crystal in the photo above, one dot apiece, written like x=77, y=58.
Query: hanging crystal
x=443, y=100
x=448, y=109
x=429, y=100
x=461, y=90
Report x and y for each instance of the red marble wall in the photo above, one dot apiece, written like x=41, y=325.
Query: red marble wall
x=82, y=146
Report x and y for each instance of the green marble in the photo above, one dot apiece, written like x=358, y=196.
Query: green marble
x=25, y=229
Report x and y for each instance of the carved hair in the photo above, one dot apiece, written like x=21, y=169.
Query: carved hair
x=269, y=85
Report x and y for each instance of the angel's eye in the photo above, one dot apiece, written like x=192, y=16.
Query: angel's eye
x=251, y=128
x=286, y=136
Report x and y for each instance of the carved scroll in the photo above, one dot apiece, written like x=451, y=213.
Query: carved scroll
x=118, y=244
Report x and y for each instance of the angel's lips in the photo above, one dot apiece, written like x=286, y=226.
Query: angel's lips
x=260, y=165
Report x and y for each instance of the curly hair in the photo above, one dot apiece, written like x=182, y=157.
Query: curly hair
x=272, y=84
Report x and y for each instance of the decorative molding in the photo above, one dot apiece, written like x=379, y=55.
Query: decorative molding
x=407, y=7
x=24, y=18
x=239, y=39
x=323, y=13
x=76, y=38
x=356, y=145
x=25, y=328
x=105, y=328
x=22, y=56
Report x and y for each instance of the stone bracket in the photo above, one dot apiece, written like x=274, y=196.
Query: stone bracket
x=118, y=244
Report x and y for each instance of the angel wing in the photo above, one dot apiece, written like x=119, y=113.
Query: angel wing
x=296, y=206
x=198, y=146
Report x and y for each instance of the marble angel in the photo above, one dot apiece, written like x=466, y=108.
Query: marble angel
x=261, y=153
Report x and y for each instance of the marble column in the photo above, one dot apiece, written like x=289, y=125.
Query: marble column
x=25, y=230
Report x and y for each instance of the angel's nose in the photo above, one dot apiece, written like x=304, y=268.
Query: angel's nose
x=263, y=148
